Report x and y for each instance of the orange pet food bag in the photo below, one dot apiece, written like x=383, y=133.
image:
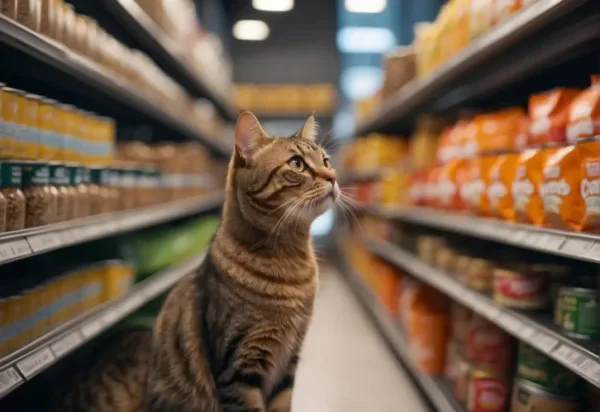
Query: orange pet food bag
x=589, y=153
x=526, y=199
x=501, y=177
x=561, y=196
x=549, y=113
x=584, y=113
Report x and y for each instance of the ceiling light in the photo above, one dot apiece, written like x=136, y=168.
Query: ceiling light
x=365, y=40
x=273, y=5
x=251, y=30
x=365, y=6
x=360, y=81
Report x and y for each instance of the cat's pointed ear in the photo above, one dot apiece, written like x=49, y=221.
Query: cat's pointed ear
x=248, y=135
x=310, y=129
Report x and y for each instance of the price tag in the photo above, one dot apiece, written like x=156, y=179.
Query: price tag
x=14, y=249
x=9, y=378
x=519, y=236
x=577, y=247
x=111, y=316
x=511, y=324
x=551, y=242
x=595, y=252
x=44, y=241
x=35, y=362
x=543, y=342
x=66, y=344
x=532, y=239
x=66, y=237
x=92, y=328
x=578, y=362
x=75, y=234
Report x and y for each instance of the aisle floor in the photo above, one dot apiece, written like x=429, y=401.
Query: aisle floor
x=346, y=366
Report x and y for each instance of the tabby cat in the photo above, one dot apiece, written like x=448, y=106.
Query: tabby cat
x=227, y=339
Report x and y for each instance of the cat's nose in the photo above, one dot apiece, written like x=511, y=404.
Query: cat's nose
x=330, y=177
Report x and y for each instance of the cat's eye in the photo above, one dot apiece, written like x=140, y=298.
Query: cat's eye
x=297, y=163
x=326, y=162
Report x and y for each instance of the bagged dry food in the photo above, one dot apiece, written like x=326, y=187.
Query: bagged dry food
x=549, y=112
x=499, y=130
x=501, y=177
x=589, y=155
x=418, y=187
x=480, y=167
x=563, y=204
x=504, y=9
x=480, y=17
x=433, y=179
x=526, y=199
x=584, y=113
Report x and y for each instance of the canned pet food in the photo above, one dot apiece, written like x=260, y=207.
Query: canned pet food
x=536, y=367
x=454, y=355
x=460, y=317
x=579, y=315
x=480, y=274
x=529, y=397
x=487, y=390
x=487, y=344
x=40, y=201
x=521, y=289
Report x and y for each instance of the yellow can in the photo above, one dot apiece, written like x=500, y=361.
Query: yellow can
x=54, y=295
x=31, y=136
x=61, y=296
x=47, y=124
x=85, y=141
x=13, y=323
x=29, y=307
x=118, y=278
x=10, y=117
x=45, y=296
x=70, y=130
x=107, y=136
x=4, y=315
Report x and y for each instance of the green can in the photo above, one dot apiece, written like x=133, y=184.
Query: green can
x=579, y=315
x=536, y=367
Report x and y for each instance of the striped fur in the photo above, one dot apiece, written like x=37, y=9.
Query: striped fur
x=227, y=338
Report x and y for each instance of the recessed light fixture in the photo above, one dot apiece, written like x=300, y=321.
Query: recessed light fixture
x=365, y=6
x=365, y=39
x=251, y=30
x=273, y=5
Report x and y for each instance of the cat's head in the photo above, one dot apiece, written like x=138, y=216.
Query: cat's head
x=281, y=181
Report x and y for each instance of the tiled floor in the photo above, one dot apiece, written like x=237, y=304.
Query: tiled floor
x=346, y=366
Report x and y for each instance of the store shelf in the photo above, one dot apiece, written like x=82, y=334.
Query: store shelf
x=23, y=365
x=582, y=357
x=575, y=245
x=492, y=62
x=351, y=177
x=167, y=53
x=25, y=243
x=435, y=389
x=91, y=75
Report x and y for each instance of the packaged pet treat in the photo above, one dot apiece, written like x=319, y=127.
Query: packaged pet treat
x=584, y=113
x=526, y=199
x=549, y=112
x=501, y=177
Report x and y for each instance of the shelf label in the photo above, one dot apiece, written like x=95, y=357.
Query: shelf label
x=480, y=305
x=577, y=247
x=92, y=328
x=543, y=342
x=9, y=378
x=551, y=242
x=519, y=236
x=66, y=344
x=511, y=324
x=44, y=241
x=110, y=316
x=578, y=362
x=533, y=239
x=35, y=362
x=14, y=249
x=66, y=237
x=595, y=252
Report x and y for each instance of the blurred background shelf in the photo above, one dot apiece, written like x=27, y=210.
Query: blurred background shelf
x=435, y=390
x=582, y=357
x=24, y=364
x=575, y=245
x=502, y=57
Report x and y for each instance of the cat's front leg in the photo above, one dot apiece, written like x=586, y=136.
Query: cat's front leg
x=281, y=397
x=242, y=392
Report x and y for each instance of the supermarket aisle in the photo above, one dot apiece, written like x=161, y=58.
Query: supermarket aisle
x=346, y=366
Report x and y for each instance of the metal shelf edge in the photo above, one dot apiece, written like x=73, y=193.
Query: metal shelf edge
x=433, y=387
x=22, y=244
x=574, y=245
x=148, y=31
x=564, y=350
x=409, y=96
x=23, y=365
